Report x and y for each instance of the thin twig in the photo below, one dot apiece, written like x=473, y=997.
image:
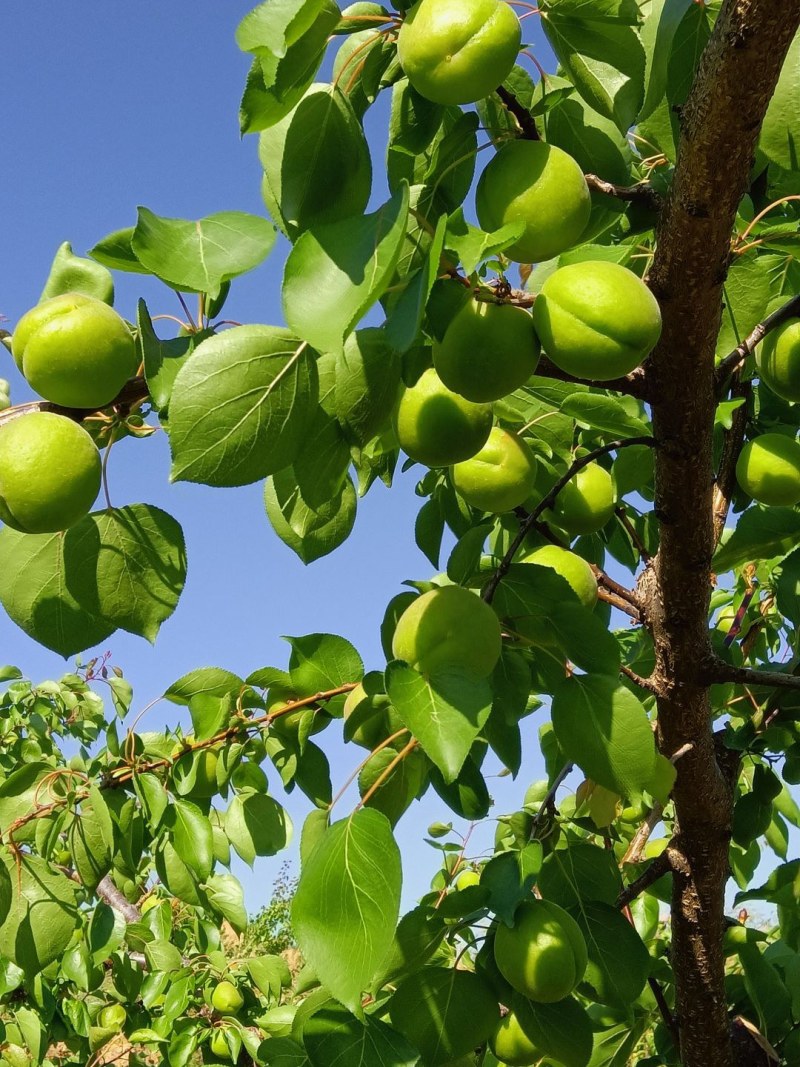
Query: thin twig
x=398, y=759
x=549, y=801
x=638, y=679
x=525, y=121
x=633, y=533
x=547, y=502
x=734, y=360
x=654, y=817
x=717, y=671
x=641, y=193
x=633, y=384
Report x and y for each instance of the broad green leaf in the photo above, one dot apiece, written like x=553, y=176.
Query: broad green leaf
x=336, y=272
x=205, y=681
x=604, y=413
x=241, y=405
x=510, y=877
x=414, y=120
x=618, y=960
x=162, y=955
x=769, y=995
x=347, y=903
x=309, y=532
x=604, y=61
x=604, y=728
x=35, y=593
x=624, y=11
x=316, y=162
x=127, y=566
x=105, y=933
x=746, y=293
x=511, y=684
x=614, y=1047
x=366, y=383
x=198, y=257
x=400, y=788
x=444, y=712
x=335, y=1036
x=176, y=875
x=226, y=896
x=473, y=245
x=448, y=1012
x=20, y=793
x=162, y=359
x=778, y=139
x=323, y=661
x=760, y=533
x=467, y=795
x=42, y=916
x=323, y=461
x=115, y=251
x=191, y=836
x=91, y=839
x=688, y=44
x=283, y=1052
x=580, y=873
x=257, y=825
x=360, y=65
x=658, y=32
x=275, y=26
x=408, y=311
x=562, y=1030
x=787, y=587
x=73, y=274
x=271, y=975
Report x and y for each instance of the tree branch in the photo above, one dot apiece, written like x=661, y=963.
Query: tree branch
x=633, y=384
x=134, y=390
x=525, y=121
x=115, y=899
x=547, y=502
x=717, y=671
x=658, y=867
x=734, y=360
x=641, y=193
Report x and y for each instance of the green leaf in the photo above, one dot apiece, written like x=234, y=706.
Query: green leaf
x=408, y=311
x=257, y=825
x=162, y=955
x=448, y=1012
x=199, y=257
x=42, y=916
x=595, y=142
x=473, y=245
x=105, y=933
x=20, y=793
x=604, y=413
x=562, y=1030
x=366, y=382
x=73, y=274
x=510, y=877
x=603, y=727
x=316, y=161
x=323, y=461
x=618, y=960
x=334, y=1036
x=580, y=873
x=444, y=712
x=778, y=139
x=336, y=272
x=34, y=591
x=191, y=836
x=624, y=11
x=176, y=875
x=604, y=61
x=271, y=975
x=309, y=532
x=769, y=995
x=349, y=895
x=658, y=33
x=468, y=794
x=399, y=789
x=226, y=897
x=115, y=251
x=205, y=681
x=162, y=359
x=413, y=122
x=91, y=839
x=746, y=294
x=760, y=533
x=127, y=566
x=323, y=661
x=241, y=405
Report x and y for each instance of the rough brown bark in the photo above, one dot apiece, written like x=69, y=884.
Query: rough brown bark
x=720, y=124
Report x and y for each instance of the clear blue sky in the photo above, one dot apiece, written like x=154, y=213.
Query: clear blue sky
x=107, y=106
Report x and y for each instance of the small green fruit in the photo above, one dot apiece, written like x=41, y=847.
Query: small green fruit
x=458, y=51
x=768, y=470
x=113, y=1017
x=499, y=477
x=436, y=426
x=778, y=360
x=572, y=568
x=544, y=955
x=488, y=351
x=49, y=473
x=377, y=719
x=581, y=323
x=467, y=878
x=449, y=628
x=74, y=350
x=203, y=762
x=511, y=1045
x=219, y=1046
x=586, y=503
x=540, y=185
x=226, y=998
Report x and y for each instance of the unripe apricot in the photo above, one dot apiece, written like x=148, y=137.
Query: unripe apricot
x=544, y=955
x=572, y=568
x=438, y=427
x=778, y=360
x=499, y=477
x=540, y=185
x=226, y=998
x=467, y=878
x=586, y=502
x=596, y=320
x=768, y=469
x=377, y=719
x=49, y=473
x=458, y=51
x=219, y=1046
x=74, y=350
x=511, y=1045
x=488, y=350
x=449, y=627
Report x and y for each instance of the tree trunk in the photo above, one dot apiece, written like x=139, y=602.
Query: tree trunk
x=719, y=129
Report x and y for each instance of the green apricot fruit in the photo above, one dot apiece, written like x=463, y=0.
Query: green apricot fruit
x=540, y=185
x=586, y=503
x=511, y=1045
x=289, y=724
x=596, y=320
x=458, y=51
x=113, y=1017
x=768, y=469
x=488, y=351
x=449, y=627
x=376, y=718
x=544, y=955
x=74, y=350
x=436, y=426
x=778, y=360
x=499, y=477
x=467, y=878
x=49, y=473
x=226, y=998
x=572, y=568
x=203, y=764
x=219, y=1046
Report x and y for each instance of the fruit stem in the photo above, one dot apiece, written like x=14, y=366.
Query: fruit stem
x=186, y=311
x=401, y=755
x=363, y=763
